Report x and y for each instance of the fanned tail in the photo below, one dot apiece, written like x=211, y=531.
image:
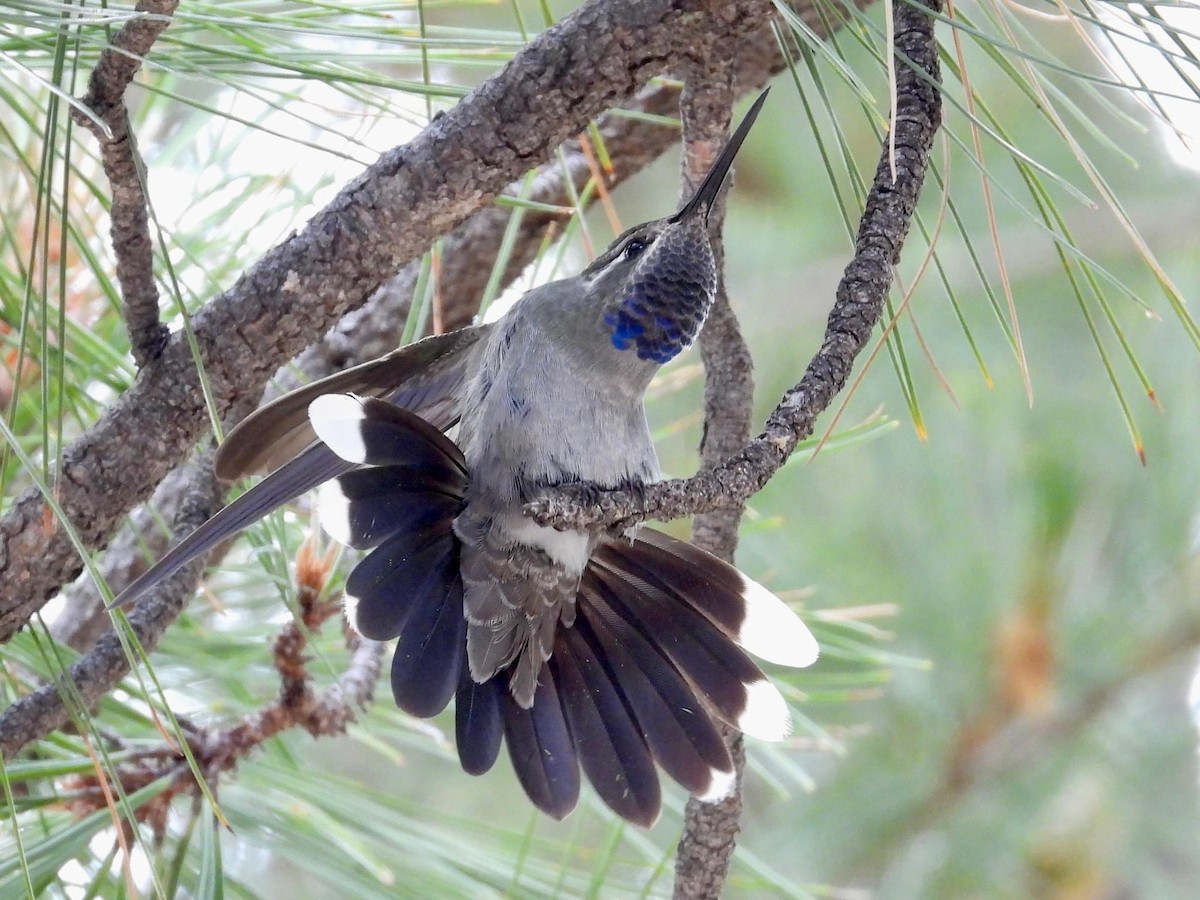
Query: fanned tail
x=656, y=657
x=612, y=748
x=403, y=506
x=678, y=730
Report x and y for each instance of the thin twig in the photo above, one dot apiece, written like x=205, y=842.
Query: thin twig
x=298, y=705
x=710, y=830
x=218, y=751
x=132, y=245
x=96, y=673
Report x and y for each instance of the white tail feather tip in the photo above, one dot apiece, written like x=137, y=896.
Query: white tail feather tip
x=772, y=631
x=333, y=512
x=720, y=786
x=766, y=715
x=350, y=609
x=335, y=418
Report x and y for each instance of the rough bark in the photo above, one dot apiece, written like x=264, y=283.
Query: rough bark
x=129, y=212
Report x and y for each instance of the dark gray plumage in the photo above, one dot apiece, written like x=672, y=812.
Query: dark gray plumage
x=580, y=651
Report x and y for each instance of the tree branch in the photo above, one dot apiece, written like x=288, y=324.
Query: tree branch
x=469, y=251
x=95, y=674
x=298, y=705
x=860, y=295
x=219, y=750
x=710, y=831
x=376, y=327
x=132, y=245
x=83, y=618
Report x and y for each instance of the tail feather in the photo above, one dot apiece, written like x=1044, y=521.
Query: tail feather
x=709, y=660
x=756, y=619
x=398, y=577
x=362, y=508
x=490, y=647
x=611, y=749
x=542, y=749
x=429, y=656
x=478, y=722
x=675, y=723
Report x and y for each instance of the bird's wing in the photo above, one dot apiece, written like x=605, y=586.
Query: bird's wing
x=424, y=377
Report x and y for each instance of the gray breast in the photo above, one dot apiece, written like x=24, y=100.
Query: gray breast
x=534, y=415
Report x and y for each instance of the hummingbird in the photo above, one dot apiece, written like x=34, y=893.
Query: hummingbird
x=614, y=653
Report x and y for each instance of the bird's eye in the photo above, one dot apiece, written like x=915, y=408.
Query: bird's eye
x=634, y=249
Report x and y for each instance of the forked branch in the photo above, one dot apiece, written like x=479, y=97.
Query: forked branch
x=860, y=296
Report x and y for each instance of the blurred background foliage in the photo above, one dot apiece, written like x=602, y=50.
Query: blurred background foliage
x=1008, y=599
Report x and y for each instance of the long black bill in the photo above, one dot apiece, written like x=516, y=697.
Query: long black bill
x=715, y=179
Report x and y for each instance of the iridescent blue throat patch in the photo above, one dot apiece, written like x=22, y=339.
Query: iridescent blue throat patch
x=665, y=305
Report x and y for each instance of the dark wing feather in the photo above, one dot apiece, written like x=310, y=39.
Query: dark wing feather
x=678, y=729
x=478, y=722
x=611, y=749
x=424, y=377
x=373, y=432
x=416, y=475
x=756, y=620
x=712, y=586
x=429, y=655
x=542, y=750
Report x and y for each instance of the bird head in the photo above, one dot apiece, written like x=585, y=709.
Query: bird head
x=656, y=282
